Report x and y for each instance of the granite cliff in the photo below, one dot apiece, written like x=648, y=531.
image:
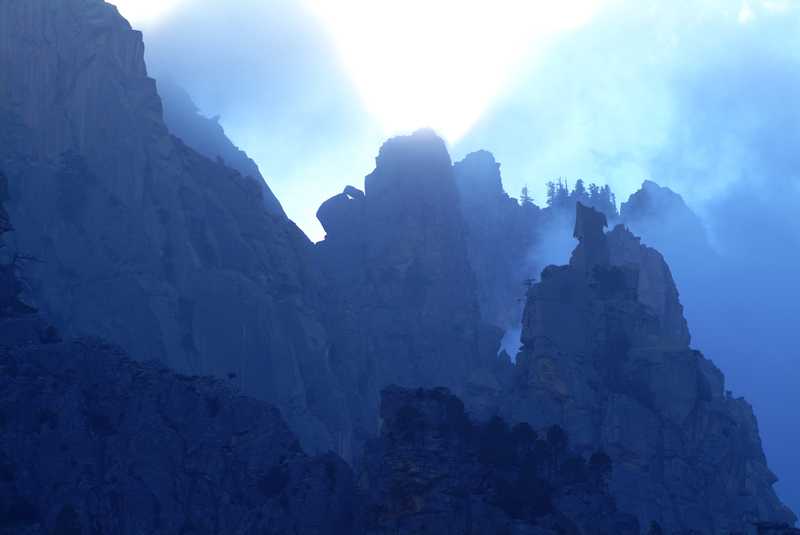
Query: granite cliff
x=94, y=442
x=606, y=355
x=400, y=295
x=176, y=252
x=501, y=236
x=140, y=240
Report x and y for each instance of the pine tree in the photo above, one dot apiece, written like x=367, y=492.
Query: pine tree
x=551, y=193
x=525, y=198
x=580, y=190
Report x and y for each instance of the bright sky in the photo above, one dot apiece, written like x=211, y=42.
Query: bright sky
x=145, y=12
x=414, y=63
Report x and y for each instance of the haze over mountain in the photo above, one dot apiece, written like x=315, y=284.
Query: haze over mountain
x=133, y=230
x=697, y=97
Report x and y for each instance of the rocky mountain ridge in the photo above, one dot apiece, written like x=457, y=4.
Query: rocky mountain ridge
x=606, y=354
x=175, y=257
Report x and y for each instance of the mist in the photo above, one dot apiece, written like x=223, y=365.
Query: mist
x=701, y=98
x=270, y=73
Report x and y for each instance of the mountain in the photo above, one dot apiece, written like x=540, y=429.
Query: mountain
x=93, y=442
x=501, y=237
x=606, y=355
x=400, y=294
x=127, y=241
x=126, y=447
x=139, y=239
x=661, y=214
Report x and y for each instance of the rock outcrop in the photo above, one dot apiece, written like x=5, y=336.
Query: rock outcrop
x=93, y=442
x=400, y=293
x=140, y=240
x=433, y=471
x=124, y=232
x=500, y=235
x=606, y=355
x=773, y=528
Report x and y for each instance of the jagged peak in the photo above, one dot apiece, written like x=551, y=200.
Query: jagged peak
x=652, y=195
x=589, y=222
x=478, y=174
x=412, y=168
x=424, y=146
x=592, y=249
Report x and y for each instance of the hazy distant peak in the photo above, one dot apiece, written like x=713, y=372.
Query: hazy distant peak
x=653, y=196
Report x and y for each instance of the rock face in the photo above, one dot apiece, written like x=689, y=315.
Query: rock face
x=772, y=528
x=140, y=240
x=206, y=136
x=400, y=292
x=434, y=471
x=500, y=234
x=93, y=442
x=606, y=356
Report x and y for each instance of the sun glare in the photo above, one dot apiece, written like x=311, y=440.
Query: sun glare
x=145, y=12
x=440, y=64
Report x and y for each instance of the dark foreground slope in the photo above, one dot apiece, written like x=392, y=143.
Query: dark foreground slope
x=433, y=471
x=93, y=442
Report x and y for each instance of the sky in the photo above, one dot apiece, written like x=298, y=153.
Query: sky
x=698, y=96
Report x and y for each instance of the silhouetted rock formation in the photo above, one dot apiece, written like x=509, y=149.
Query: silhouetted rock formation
x=434, y=471
x=500, y=236
x=140, y=240
x=401, y=299
x=606, y=356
